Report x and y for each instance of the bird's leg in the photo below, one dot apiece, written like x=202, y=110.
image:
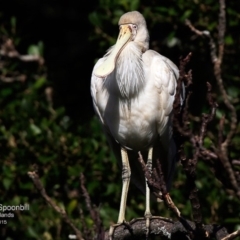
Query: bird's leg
x=126, y=173
x=148, y=214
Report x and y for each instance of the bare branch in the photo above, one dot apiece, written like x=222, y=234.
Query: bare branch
x=223, y=145
x=217, y=60
x=165, y=227
x=98, y=225
x=212, y=103
x=38, y=184
x=221, y=30
x=19, y=78
x=232, y=235
x=220, y=131
x=8, y=50
x=154, y=184
x=158, y=186
x=236, y=162
x=180, y=120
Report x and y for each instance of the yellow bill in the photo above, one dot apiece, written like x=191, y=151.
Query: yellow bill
x=109, y=64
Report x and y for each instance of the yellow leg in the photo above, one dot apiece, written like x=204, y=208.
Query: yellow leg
x=148, y=214
x=126, y=173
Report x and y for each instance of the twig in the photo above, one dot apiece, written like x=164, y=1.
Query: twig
x=217, y=60
x=99, y=31
x=19, y=78
x=98, y=226
x=82, y=220
x=220, y=131
x=232, y=235
x=222, y=150
x=180, y=120
x=157, y=184
x=236, y=162
x=8, y=50
x=189, y=166
x=221, y=30
x=154, y=185
x=166, y=196
x=24, y=58
x=38, y=184
x=182, y=127
x=212, y=103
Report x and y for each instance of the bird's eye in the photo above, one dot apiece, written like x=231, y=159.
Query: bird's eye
x=135, y=27
x=120, y=27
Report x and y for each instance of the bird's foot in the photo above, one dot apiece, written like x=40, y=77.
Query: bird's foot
x=148, y=217
x=114, y=226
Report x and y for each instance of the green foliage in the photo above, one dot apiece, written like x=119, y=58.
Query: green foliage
x=36, y=50
x=34, y=131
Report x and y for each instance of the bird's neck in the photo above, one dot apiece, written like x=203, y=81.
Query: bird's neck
x=129, y=71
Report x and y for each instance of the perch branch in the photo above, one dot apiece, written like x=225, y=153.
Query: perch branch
x=164, y=227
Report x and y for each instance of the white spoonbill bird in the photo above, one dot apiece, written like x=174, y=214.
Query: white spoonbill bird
x=133, y=90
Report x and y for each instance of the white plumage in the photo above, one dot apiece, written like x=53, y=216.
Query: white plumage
x=133, y=90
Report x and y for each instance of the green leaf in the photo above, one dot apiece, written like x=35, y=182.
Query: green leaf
x=72, y=205
x=5, y=92
x=32, y=232
x=39, y=83
x=229, y=40
x=34, y=50
x=207, y=142
x=233, y=92
x=7, y=183
x=13, y=22
x=35, y=129
x=41, y=47
x=94, y=19
x=134, y=5
x=186, y=15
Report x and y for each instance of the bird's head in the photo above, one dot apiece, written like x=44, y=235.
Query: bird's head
x=132, y=27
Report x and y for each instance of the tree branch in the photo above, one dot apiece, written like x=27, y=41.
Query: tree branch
x=8, y=50
x=223, y=145
x=232, y=235
x=38, y=184
x=165, y=228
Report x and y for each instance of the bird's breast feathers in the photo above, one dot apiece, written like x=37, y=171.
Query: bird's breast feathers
x=135, y=122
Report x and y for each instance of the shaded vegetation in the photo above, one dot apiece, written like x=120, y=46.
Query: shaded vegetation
x=46, y=114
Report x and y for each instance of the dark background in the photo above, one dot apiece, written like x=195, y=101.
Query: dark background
x=71, y=44
x=62, y=136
